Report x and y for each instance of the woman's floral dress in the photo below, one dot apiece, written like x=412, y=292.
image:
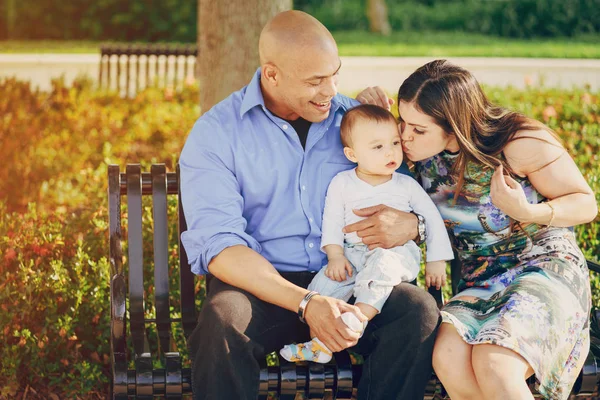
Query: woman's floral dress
x=527, y=291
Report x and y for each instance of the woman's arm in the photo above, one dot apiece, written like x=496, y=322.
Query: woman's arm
x=553, y=173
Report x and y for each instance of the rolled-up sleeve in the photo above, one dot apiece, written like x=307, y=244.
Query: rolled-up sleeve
x=210, y=195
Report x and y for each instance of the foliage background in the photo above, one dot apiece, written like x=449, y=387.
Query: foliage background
x=54, y=272
x=175, y=20
x=131, y=20
x=509, y=18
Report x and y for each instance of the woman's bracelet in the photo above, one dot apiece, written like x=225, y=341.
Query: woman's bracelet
x=551, y=213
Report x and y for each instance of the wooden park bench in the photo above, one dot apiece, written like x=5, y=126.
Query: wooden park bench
x=137, y=372
x=128, y=68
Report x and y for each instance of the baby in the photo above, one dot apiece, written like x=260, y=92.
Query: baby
x=371, y=139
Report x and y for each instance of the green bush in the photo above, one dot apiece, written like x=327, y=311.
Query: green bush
x=507, y=18
x=132, y=20
x=175, y=20
x=54, y=273
x=54, y=284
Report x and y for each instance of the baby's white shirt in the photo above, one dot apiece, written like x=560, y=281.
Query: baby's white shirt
x=348, y=192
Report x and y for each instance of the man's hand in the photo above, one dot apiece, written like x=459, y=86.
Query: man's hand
x=337, y=267
x=377, y=96
x=384, y=227
x=435, y=274
x=323, y=317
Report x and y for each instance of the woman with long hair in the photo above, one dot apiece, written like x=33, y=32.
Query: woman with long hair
x=508, y=192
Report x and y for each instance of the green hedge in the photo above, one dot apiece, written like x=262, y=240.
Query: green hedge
x=175, y=20
x=54, y=272
x=509, y=18
x=131, y=20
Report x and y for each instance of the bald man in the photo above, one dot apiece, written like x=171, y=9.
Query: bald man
x=254, y=174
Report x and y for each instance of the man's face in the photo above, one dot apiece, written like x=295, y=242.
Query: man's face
x=307, y=85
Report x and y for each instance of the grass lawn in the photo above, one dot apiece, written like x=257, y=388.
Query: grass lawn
x=460, y=44
x=48, y=46
x=399, y=44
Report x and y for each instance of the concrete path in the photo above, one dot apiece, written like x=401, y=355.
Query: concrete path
x=390, y=72
x=356, y=72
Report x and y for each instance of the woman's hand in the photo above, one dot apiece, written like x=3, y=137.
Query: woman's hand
x=509, y=197
x=377, y=96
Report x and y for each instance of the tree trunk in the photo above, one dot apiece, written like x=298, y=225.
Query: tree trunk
x=378, y=17
x=11, y=16
x=228, y=32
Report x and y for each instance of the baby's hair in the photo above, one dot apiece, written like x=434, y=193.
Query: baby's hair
x=364, y=111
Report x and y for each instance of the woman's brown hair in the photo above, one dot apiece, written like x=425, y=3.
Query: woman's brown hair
x=454, y=99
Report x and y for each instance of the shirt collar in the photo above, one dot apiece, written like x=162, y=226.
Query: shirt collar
x=253, y=96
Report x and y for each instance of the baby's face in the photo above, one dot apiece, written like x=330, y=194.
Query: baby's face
x=376, y=147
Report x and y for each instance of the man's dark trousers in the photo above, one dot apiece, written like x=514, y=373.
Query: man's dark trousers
x=235, y=329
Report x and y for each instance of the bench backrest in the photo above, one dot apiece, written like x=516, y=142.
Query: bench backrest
x=135, y=184
x=131, y=67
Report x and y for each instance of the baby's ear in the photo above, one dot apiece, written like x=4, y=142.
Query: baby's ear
x=349, y=153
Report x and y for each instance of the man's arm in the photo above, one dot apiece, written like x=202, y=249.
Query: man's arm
x=384, y=227
x=244, y=268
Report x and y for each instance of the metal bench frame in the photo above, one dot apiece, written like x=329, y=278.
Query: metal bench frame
x=172, y=381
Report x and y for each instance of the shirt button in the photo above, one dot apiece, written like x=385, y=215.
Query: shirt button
x=310, y=219
x=284, y=126
x=303, y=187
x=311, y=245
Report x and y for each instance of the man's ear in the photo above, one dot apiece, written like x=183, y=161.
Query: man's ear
x=349, y=153
x=270, y=74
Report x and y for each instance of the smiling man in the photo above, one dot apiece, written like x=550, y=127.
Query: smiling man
x=254, y=174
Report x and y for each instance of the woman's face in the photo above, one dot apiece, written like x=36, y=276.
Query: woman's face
x=421, y=136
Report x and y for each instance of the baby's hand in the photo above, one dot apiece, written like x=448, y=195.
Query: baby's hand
x=435, y=274
x=337, y=267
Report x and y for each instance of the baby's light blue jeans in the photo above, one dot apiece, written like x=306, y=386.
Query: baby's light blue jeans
x=375, y=273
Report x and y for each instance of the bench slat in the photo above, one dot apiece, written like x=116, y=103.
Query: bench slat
x=118, y=337
x=118, y=289
x=316, y=380
x=289, y=385
x=161, y=257
x=136, y=257
x=173, y=376
x=587, y=380
x=593, y=266
x=344, y=379
x=144, y=379
x=114, y=220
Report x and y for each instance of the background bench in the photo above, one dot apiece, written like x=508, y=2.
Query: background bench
x=128, y=68
x=139, y=373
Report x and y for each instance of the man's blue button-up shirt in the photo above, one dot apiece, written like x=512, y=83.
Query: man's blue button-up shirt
x=246, y=180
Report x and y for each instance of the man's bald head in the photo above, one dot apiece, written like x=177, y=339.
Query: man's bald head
x=293, y=35
x=299, y=67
